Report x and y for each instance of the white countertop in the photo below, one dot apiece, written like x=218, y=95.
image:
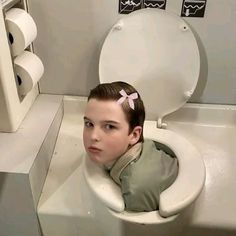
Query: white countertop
x=212, y=131
x=19, y=149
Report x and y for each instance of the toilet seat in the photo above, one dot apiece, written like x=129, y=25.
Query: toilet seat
x=159, y=38
x=189, y=182
x=157, y=53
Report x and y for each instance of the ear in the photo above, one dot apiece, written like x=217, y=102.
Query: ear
x=135, y=135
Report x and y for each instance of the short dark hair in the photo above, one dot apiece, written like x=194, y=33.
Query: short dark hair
x=110, y=91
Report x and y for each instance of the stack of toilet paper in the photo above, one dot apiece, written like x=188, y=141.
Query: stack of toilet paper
x=22, y=31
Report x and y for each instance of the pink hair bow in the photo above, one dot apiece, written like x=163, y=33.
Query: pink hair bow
x=130, y=98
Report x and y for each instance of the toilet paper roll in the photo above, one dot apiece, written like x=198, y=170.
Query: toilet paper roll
x=22, y=29
x=29, y=69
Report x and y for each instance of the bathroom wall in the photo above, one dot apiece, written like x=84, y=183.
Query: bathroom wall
x=70, y=35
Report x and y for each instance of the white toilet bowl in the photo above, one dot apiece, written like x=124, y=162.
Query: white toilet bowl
x=157, y=53
x=174, y=199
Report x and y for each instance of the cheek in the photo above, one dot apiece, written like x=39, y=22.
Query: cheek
x=117, y=142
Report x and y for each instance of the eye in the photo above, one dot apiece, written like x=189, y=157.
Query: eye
x=88, y=124
x=109, y=127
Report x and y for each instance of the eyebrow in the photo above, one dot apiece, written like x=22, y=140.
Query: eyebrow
x=111, y=121
x=86, y=118
x=105, y=121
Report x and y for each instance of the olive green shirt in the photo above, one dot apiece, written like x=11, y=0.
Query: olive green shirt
x=143, y=172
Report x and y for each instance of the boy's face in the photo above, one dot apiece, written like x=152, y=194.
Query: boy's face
x=106, y=131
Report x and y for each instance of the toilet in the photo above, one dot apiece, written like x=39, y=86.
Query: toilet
x=157, y=53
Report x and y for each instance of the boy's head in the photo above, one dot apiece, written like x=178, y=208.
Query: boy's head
x=104, y=110
x=111, y=92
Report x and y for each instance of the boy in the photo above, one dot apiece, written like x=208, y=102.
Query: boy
x=113, y=137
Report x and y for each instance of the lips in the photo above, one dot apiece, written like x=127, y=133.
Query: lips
x=94, y=149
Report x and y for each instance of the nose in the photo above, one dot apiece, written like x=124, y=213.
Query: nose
x=96, y=134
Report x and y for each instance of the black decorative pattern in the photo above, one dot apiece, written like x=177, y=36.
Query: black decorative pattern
x=193, y=8
x=127, y=6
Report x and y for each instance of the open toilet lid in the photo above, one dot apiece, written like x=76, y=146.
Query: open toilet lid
x=157, y=53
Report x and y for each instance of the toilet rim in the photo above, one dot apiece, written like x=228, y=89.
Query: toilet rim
x=173, y=200
x=191, y=177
